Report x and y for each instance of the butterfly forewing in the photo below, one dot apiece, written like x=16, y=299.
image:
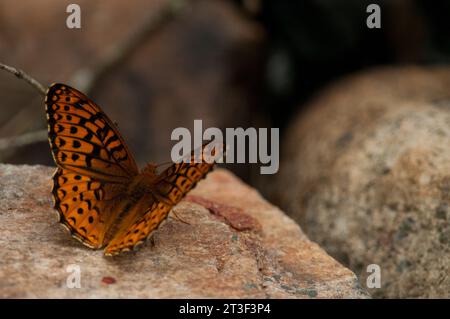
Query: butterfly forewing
x=83, y=139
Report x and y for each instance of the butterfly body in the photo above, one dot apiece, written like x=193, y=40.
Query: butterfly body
x=140, y=185
x=100, y=195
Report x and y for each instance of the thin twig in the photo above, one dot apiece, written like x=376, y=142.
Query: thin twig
x=22, y=140
x=23, y=76
x=86, y=78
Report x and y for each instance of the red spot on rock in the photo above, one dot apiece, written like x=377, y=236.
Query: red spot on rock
x=234, y=216
x=108, y=280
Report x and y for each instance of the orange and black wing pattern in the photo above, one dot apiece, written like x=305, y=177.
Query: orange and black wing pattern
x=94, y=187
x=83, y=139
x=94, y=164
x=85, y=206
x=171, y=186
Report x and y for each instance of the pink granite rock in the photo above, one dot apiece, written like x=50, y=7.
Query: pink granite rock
x=366, y=172
x=235, y=244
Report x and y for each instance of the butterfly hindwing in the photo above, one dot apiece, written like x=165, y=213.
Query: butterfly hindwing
x=83, y=139
x=84, y=205
x=137, y=230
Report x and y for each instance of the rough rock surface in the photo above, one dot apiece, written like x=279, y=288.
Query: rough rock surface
x=235, y=245
x=366, y=172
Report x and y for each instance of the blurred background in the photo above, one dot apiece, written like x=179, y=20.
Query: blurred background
x=157, y=65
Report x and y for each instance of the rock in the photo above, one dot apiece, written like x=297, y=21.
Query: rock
x=366, y=172
x=235, y=245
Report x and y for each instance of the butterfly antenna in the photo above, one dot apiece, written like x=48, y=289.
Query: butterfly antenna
x=162, y=164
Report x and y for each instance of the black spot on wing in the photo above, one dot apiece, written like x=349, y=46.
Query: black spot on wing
x=76, y=144
x=112, y=139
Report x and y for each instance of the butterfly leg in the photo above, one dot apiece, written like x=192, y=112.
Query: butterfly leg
x=151, y=240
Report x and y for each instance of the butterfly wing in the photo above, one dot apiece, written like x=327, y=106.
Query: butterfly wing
x=83, y=139
x=94, y=164
x=171, y=186
x=85, y=205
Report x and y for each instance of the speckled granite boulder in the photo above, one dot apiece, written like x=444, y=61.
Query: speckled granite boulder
x=366, y=172
x=235, y=245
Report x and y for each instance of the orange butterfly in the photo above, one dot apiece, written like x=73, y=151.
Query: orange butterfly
x=98, y=191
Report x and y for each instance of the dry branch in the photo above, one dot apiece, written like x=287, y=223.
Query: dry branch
x=23, y=76
x=9, y=144
x=86, y=78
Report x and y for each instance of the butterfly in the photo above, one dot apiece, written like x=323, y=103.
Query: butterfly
x=99, y=193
